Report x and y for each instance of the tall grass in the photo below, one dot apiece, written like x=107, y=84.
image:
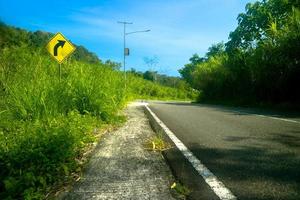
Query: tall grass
x=46, y=123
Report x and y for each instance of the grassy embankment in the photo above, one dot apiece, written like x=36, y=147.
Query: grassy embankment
x=46, y=124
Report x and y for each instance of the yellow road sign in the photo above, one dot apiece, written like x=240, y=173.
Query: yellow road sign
x=59, y=47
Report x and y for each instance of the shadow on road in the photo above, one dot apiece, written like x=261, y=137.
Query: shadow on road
x=255, y=172
x=255, y=157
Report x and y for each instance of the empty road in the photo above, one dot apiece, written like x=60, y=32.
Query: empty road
x=255, y=154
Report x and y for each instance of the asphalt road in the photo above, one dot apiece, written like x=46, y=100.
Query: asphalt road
x=255, y=154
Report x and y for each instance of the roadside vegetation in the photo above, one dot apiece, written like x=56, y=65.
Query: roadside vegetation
x=157, y=143
x=46, y=123
x=259, y=64
x=180, y=191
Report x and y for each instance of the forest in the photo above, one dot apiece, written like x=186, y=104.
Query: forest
x=259, y=64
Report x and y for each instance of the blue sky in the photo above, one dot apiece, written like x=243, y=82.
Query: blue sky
x=179, y=28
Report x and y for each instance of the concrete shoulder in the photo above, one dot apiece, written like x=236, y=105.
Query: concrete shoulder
x=121, y=167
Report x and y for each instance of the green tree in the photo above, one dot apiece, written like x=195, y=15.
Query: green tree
x=113, y=65
x=261, y=60
x=188, y=69
x=216, y=49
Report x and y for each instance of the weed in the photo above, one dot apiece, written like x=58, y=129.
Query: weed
x=157, y=143
x=181, y=191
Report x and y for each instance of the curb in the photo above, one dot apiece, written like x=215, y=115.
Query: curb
x=182, y=170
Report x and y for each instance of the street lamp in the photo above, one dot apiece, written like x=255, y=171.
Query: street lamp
x=124, y=42
x=137, y=32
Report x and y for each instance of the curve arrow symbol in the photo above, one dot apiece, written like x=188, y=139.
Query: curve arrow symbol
x=60, y=43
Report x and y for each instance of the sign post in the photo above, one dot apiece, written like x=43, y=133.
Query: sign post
x=59, y=72
x=60, y=48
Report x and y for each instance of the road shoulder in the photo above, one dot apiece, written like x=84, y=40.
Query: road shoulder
x=121, y=167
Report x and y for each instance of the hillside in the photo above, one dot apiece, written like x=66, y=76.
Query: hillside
x=12, y=36
x=46, y=123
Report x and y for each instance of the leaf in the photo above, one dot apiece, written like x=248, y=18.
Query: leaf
x=153, y=145
x=42, y=181
x=66, y=169
x=173, y=185
x=10, y=183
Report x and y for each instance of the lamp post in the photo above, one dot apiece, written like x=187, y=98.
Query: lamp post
x=124, y=45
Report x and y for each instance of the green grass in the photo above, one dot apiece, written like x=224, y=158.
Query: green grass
x=47, y=123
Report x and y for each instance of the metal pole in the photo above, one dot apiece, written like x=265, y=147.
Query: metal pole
x=124, y=56
x=59, y=72
x=124, y=46
x=124, y=62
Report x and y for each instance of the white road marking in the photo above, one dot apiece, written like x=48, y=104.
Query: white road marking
x=276, y=118
x=217, y=186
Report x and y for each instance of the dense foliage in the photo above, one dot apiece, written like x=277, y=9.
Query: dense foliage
x=154, y=76
x=47, y=123
x=259, y=63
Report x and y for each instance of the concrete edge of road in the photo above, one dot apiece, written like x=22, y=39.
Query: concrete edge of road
x=184, y=170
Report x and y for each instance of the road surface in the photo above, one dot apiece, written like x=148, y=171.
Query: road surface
x=256, y=155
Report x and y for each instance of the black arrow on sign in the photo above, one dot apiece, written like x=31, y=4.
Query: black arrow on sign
x=61, y=44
